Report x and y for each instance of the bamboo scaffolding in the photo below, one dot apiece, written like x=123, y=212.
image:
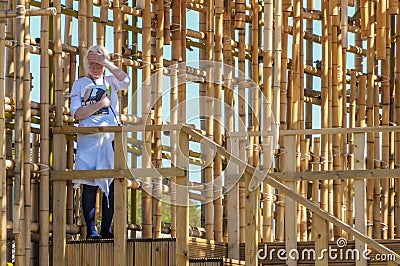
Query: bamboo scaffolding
x=370, y=102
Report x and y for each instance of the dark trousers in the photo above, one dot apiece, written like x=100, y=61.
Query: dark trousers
x=88, y=206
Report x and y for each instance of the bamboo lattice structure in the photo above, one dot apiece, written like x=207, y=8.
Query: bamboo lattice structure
x=278, y=119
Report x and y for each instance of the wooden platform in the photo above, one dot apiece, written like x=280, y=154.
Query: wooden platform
x=161, y=252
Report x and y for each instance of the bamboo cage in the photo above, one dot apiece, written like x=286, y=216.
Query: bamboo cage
x=249, y=126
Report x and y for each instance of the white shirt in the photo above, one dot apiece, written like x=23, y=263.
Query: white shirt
x=95, y=151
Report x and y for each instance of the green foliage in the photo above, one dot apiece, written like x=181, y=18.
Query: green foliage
x=194, y=210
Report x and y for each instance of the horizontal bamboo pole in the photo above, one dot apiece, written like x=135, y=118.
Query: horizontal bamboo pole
x=70, y=228
x=122, y=173
x=335, y=175
x=28, y=12
x=316, y=131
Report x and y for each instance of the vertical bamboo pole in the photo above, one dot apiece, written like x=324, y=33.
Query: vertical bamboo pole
x=331, y=19
x=290, y=204
x=377, y=165
x=209, y=216
x=167, y=21
x=352, y=124
x=284, y=87
x=35, y=196
x=219, y=10
x=251, y=246
x=360, y=194
x=89, y=17
x=315, y=184
x=374, y=93
x=397, y=135
x=336, y=123
x=296, y=104
x=182, y=199
x=324, y=109
x=240, y=25
x=120, y=202
x=67, y=84
x=365, y=17
x=59, y=187
x=3, y=172
x=393, y=7
x=309, y=62
x=120, y=190
x=134, y=101
x=202, y=104
x=182, y=209
x=19, y=216
x=370, y=121
x=278, y=20
x=385, y=100
x=381, y=11
x=254, y=97
x=303, y=145
x=176, y=58
x=44, y=141
x=266, y=110
x=309, y=78
x=232, y=205
x=101, y=26
x=9, y=85
x=157, y=188
x=390, y=50
x=146, y=109
x=344, y=26
x=173, y=143
x=26, y=143
x=82, y=32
